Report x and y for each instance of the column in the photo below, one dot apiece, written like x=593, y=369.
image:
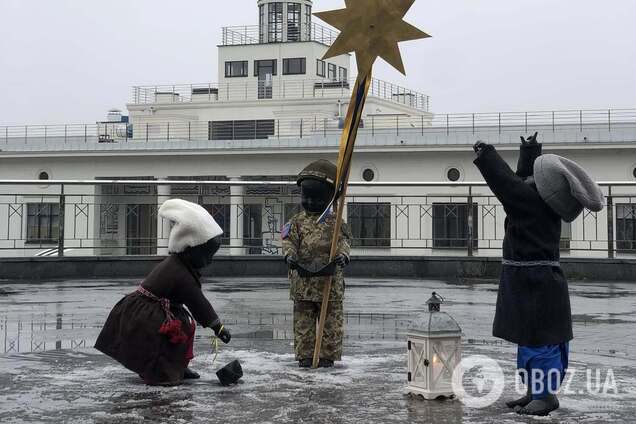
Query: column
x=163, y=226
x=236, y=217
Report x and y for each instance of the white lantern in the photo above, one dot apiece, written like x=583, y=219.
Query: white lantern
x=434, y=343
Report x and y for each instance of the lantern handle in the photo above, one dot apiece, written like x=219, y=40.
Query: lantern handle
x=439, y=296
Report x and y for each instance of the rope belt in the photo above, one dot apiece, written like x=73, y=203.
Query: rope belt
x=529, y=263
x=172, y=326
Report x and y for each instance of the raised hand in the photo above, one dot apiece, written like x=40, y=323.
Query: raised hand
x=531, y=140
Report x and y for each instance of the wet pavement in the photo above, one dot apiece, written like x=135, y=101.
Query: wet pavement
x=49, y=371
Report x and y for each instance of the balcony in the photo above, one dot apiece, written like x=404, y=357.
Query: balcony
x=250, y=34
x=277, y=89
x=569, y=127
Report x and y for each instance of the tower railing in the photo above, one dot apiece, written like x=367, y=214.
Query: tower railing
x=249, y=89
x=251, y=34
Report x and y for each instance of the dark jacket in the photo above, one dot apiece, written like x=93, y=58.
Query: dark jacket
x=533, y=303
x=131, y=332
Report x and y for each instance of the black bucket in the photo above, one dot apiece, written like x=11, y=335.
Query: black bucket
x=230, y=374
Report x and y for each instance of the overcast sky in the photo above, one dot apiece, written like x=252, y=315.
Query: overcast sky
x=69, y=61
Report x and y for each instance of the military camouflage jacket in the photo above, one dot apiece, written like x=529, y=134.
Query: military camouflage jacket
x=310, y=242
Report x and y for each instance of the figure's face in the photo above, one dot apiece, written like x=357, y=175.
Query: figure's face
x=201, y=256
x=315, y=195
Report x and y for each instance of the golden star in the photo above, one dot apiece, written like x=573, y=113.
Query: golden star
x=371, y=28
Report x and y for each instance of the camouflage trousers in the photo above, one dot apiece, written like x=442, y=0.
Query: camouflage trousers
x=306, y=315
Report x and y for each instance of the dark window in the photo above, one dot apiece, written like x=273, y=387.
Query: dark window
x=343, y=75
x=320, y=68
x=293, y=21
x=626, y=227
x=634, y=172
x=253, y=228
x=275, y=22
x=264, y=67
x=241, y=130
x=221, y=214
x=368, y=174
x=307, y=22
x=566, y=235
x=236, y=69
x=453, y=174
x=294, y=66
x=333, y=69
x=370, y=224
x=261, y=24
x=43, y=175
x=43, y=222
x=450, y=225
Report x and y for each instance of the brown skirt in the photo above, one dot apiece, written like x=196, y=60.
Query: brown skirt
x=131, y=336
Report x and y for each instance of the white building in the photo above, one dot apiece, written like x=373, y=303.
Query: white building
x=275, y=107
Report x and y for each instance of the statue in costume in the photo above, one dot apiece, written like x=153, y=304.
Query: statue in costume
x=533, y=304
x=306, y=246
x=149, y=331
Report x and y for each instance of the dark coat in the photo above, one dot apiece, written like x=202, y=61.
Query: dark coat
x=533, y=303
x=131, y=332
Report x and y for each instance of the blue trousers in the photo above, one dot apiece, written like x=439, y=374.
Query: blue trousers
x=543, y=367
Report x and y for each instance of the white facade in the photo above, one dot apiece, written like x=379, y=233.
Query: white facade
x=259, y=127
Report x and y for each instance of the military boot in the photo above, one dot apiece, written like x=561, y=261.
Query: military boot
x=305, y=363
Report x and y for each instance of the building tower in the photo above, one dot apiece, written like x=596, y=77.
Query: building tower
x=284, y=21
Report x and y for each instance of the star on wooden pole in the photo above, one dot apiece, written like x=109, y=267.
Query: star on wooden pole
x=371, y=29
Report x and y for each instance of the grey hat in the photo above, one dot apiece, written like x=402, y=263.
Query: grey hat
x=566, y=187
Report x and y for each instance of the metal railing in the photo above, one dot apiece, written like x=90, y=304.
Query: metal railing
x=589, y=126
x=409, y=218
x=250, y=89
x=251, y=34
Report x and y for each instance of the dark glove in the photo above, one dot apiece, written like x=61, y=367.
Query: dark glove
x=479, y=146
x=532, y=140
x=223, y=333
x=341, y=260
x=291, y=261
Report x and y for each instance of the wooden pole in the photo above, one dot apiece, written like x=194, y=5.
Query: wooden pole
x=347, y=142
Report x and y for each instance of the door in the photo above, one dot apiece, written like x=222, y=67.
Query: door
x=265, y=71
x=141, y=230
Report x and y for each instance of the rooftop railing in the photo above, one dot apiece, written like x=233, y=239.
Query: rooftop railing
x=582, y=126
x=249, y=89
x=250, y=34
x=84, y=218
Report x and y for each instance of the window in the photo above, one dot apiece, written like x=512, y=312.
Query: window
x=108, y=221
x=221, y=214
x=261, y=24
x=241, y=130
x=320, y=68
x=236, y=69
x=264, y=67
x=453, y=174
x=368, y=174
x=450, y=225
x=343, y=74
x=295, y=66
x=634, y=172
x=307, y=22
x=293, y=21
x=370, y=224
x=43, y=224
x=43, y=175
x=332, y=72
x=626, y=227
x=566, y=235
x=275, y=22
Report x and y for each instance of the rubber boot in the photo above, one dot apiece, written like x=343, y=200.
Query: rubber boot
x=540, y=407
x=522, y=401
